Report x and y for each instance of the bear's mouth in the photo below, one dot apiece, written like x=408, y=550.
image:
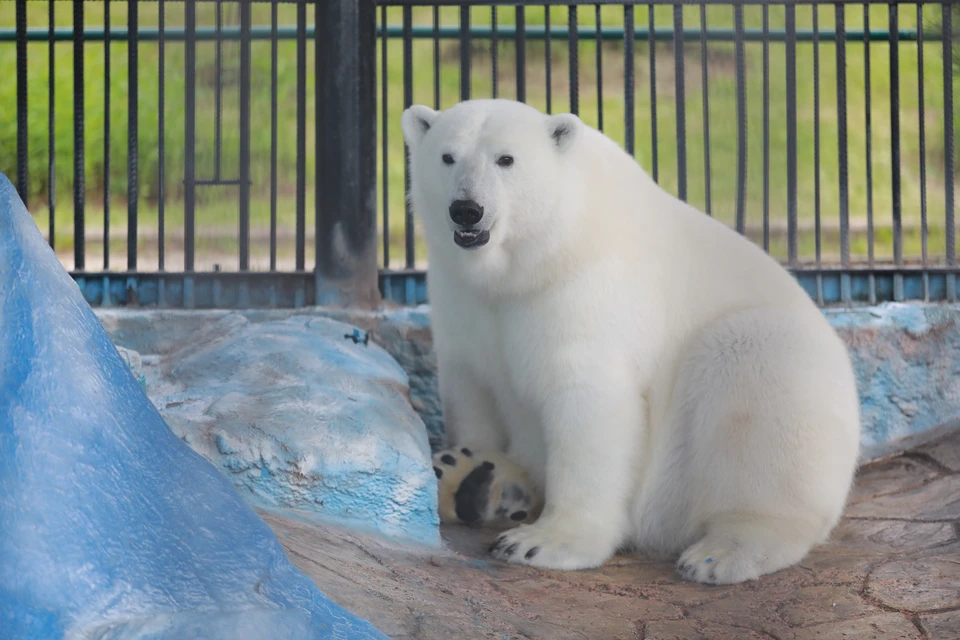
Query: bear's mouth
x=471, y=238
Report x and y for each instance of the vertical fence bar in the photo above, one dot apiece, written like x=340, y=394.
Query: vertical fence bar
x=245, y=25
x=161, y=133
x=494, y=54
x=599, y=40
x=895, y=147
x=436, y=54
x=346, y=233
x=921, y=114
x=791, y=59
x=328, y=196
x=385, y=123
x=190, y=138
x=23, y=167
x=301, y=135
x=741, y=119
x=574, y=53
x=106, y=135
x=465, y=46
x=681, y=101
x=705, y=91
x=133, y=132
x=766, y=128
x=362, y=223
x=408, y=224
x=948, y=131
x=628, y=78
x=868, y=128
x=844, y=201
x=79, y=172
x=521, y=46
x=51, y=126
x=274, y=88
x=548, y=57
x=816, y=146
x=652, y=45
x=218, y=93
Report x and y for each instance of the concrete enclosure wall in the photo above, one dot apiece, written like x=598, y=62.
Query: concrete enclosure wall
x=906, y=357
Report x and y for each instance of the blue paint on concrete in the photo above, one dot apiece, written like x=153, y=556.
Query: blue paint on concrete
x=406, y=335
x=333, y=436
x=907, y=361
x=109, y=525
x=303, y=420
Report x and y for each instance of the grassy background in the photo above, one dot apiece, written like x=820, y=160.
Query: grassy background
x=217, y=206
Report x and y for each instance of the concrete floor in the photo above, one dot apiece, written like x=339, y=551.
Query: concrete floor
x=891, y=570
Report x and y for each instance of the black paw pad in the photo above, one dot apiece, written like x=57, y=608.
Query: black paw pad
x=448, y=459
x=518, y=516
x=509, y=551
x=466, y=452
x=473, y=495
x=438, y=472
x=496, y=544
x=534, y=551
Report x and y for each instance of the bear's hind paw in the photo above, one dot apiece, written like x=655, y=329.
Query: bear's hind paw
x=483, y=489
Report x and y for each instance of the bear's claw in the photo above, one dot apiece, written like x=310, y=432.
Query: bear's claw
x=552, y=545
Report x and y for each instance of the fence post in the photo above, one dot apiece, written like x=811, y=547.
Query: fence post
x=346, y=147
x=23, y=157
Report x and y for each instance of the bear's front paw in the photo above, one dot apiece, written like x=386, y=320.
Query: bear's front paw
x=483, y=488
x=552, y=544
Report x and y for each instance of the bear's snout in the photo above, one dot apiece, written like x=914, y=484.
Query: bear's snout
x=466, y=213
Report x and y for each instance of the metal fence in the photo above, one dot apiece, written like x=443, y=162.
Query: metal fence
x=823, y=131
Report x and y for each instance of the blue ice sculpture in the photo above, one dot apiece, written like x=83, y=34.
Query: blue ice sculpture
x=110, y=527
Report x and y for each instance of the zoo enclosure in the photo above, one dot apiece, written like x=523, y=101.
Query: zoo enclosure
x=860, y=92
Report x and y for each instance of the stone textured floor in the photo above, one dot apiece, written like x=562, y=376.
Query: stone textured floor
x=891, y=570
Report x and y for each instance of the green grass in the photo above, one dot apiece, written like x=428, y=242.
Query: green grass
x=217, y=210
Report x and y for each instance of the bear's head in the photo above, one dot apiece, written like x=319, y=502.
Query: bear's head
x=492, y=180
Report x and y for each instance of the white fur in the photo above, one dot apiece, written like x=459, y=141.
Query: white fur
x=668, y=384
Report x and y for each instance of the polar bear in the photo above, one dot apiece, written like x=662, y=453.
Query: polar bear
x=668, y=387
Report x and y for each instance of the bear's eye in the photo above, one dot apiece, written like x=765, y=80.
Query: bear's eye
x=504, y=161
x=447, y=158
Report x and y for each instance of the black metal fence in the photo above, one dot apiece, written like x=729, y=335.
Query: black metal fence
x=823, y=131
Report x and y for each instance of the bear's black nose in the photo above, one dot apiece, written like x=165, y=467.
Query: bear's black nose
x=465, y=213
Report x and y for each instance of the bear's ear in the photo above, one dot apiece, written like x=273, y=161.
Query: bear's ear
x=416, y=121
x=564, y=130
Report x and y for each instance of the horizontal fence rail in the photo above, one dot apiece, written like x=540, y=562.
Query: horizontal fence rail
x=286, y=32
x=249, y=153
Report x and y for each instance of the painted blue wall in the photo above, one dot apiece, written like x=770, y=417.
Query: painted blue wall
x=906, y=357
x=300, y=417
x=109, y=524
x=907, y=361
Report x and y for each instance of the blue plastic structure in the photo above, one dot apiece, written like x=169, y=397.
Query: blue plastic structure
x=110, y=527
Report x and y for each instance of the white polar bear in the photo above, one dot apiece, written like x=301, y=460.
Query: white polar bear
x=666, y=383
